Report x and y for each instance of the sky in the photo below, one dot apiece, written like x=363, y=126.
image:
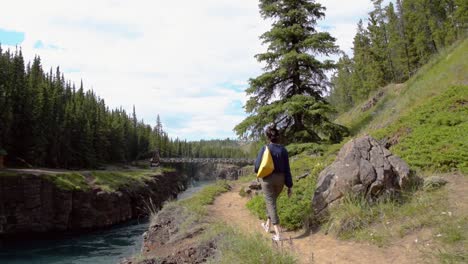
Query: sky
x=188, y=61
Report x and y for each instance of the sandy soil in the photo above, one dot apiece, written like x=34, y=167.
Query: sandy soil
x=311, y=247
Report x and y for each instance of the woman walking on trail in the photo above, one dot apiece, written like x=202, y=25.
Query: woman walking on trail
x=273, y=184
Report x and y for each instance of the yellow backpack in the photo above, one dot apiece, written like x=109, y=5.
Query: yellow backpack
x=266, y=166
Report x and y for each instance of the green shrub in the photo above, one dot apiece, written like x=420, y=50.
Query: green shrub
x=436, y=139
x=306, y=148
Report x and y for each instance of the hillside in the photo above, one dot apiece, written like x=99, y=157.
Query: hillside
x=424, y=121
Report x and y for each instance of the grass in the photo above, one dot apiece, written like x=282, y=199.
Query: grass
x=106, y=180
x=452, y=257
x=68, y=181
x=237, y=247
x=387, y=220
x=113, y=180
x=436, y=137
x=357, y=219
x=453, y=240
x=445, y=70
x=206, y=196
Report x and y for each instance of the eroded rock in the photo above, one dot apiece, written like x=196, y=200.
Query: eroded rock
x=31, y=204
x=215, y=171
x=363, y=167
x=173, y=238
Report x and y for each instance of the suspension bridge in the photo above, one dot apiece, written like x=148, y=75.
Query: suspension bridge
x=206, y=160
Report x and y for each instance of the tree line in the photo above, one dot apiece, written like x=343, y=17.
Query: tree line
x=48, y=121
x=397, y=40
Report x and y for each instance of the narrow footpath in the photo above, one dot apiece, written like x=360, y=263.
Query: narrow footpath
x=312, y=247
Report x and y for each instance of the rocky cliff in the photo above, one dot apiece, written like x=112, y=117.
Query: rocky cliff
x=31, y=204
x=213, y=171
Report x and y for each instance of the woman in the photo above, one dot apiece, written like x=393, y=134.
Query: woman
x=273, y=184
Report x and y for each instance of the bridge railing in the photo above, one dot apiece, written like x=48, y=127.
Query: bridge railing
x=206, y=160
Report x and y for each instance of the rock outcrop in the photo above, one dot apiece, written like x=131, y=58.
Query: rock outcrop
x=363, y=167
x=173, y=238
x=31, y=204
x=215, y=171
x=372, y=102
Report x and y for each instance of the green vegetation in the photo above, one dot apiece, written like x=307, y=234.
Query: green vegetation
x=398, y=39
x=443, y=71
x=112, y=180
x=386, y=220
x=289, y=94
x=106, y=180
x=434, y=135
x=355, y=218
x=305, y=148
x=236, y=247
x=425, y=120
x=199, y=201
x=68, y=181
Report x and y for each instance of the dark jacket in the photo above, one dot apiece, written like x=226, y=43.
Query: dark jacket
x=280, y=159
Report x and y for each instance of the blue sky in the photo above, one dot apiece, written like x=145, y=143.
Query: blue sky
x=188, y=61
x=10, y=37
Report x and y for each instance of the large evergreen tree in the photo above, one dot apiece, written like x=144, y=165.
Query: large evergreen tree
x=290, y=92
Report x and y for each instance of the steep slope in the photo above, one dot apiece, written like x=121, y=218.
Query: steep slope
x=424, y=121
x=444, y=71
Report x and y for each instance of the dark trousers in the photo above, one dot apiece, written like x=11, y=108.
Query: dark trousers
x=272, y=186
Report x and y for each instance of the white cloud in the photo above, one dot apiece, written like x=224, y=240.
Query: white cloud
x=166, y=57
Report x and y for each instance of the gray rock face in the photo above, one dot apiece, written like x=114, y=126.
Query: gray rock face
x=363, y=167
x=215, y=171
x=32, y=204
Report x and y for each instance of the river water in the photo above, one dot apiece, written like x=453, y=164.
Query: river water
x=100, y=247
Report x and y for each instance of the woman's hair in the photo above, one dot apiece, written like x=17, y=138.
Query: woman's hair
x=272, y=134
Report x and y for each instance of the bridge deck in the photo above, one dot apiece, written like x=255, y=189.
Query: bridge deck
x=206, y=160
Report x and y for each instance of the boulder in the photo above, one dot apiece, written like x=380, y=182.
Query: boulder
x=255, y=185
x=363, y=167
x=227, y=171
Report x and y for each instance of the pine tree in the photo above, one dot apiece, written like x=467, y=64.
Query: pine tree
x=366, y=74
x=5, y=98
x=341, y=94
x=405, y=40
x=290, y=92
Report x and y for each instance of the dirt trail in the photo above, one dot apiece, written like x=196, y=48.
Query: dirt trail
x=312, y=248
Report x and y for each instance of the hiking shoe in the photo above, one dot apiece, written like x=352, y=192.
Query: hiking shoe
x=265, y=227
x=276, y=238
